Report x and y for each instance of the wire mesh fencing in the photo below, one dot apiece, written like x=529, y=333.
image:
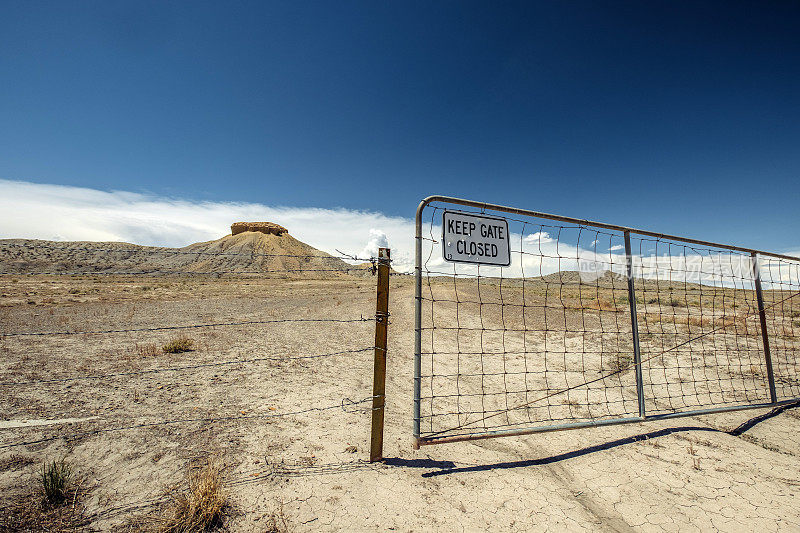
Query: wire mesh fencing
x=594, y=324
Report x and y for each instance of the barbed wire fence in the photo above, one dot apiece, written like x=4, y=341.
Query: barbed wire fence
x=594, y=324
x=54, y=379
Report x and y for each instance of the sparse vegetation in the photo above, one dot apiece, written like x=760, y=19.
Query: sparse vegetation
x=54, y=479
x=201, y=506
x=553, y=347
x=621, y=362
x=277, y=522
x=760, y=442
x=594, y=304
x=15, y=461
x=179, y=345
x=27, y=511
x=148, y=350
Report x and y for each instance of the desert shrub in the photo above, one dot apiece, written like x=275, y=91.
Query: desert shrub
x=201, y=505
x=674, y=302
x=621, y=362
x=54, y=478
x=179, y=345
x=148, y=350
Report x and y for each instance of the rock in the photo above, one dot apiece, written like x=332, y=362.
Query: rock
x=263, y=227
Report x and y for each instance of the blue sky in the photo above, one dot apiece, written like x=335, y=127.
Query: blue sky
x=677, y=117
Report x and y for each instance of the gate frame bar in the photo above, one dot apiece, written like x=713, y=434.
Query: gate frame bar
x=419, y=440
x=762, y=315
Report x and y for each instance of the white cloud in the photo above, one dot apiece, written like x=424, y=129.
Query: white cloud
x=377, y=239
x=540, y=237
x=58, y=212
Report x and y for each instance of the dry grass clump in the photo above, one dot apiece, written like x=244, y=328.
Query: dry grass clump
x=596, y=304
x=674, y=302
x=621, y=362
x=201, y=506
x=148, y=350
x=179, y=345
x=277, y=522
x=15, y=461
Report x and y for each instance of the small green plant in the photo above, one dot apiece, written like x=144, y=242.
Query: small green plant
x=179, y=345
x=55, y=477
x=674, y=302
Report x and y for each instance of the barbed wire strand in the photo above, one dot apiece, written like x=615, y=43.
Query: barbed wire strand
x=260, y=416
x=123, y=273
x=191, y=326
x=187, y=367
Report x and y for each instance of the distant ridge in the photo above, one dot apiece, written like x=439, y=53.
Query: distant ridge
x=246, y=252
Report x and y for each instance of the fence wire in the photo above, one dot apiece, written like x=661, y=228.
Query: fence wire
x=780, y=279
x=189, y=326
x=48, y=384
x=344, y=404
x=547, y=342
x=111, y=375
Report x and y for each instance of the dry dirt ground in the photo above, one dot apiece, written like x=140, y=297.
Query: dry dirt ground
x=690, y=474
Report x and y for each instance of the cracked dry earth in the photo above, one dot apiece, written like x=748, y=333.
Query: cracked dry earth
x=690, y=474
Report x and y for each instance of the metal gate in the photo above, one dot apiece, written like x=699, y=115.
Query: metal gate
x=594, y=324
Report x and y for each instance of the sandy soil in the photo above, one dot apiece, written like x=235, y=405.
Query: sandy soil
x=691, y=474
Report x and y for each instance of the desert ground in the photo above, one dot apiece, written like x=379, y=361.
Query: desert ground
x=283, y=408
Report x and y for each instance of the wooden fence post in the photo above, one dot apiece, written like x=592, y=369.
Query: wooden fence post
x=379, y=377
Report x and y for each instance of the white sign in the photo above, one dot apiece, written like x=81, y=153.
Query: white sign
x=468, y=238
